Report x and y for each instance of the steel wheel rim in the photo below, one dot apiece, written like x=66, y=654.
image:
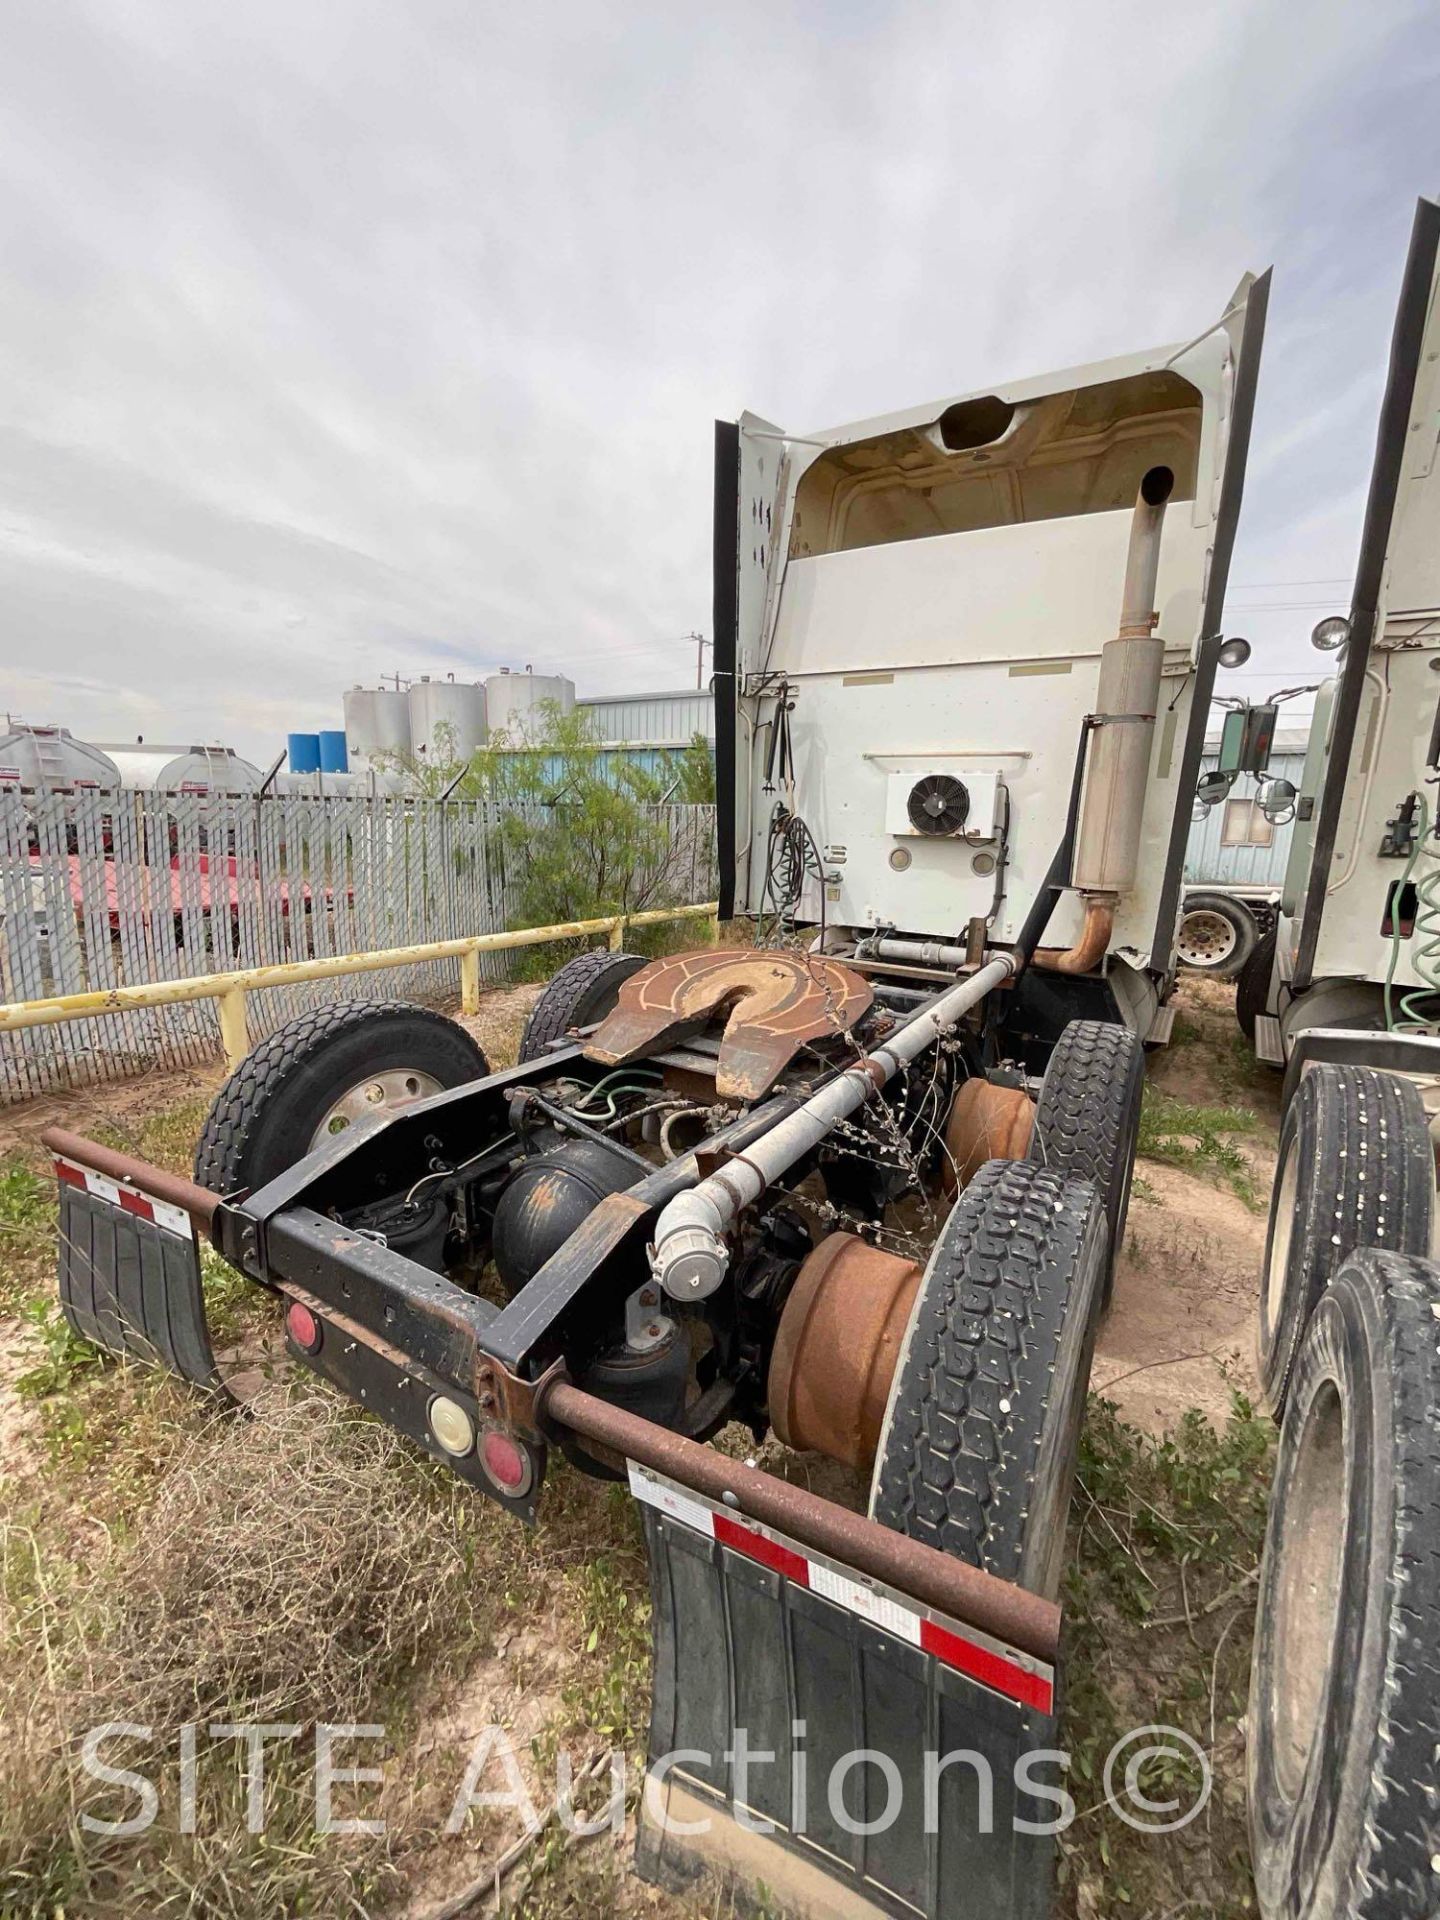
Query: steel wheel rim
x=1278, y=1262
x=1206, y=938
x=376, y=1093
x=1307, y=1592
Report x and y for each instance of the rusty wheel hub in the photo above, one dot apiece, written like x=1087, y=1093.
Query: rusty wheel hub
x=770, y=1004
x=986, y=1123
x=837, y=1349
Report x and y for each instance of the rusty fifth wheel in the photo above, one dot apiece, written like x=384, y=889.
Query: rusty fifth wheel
x=837, y=1347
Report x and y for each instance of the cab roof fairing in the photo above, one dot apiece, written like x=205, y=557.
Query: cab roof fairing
x=1206, y=362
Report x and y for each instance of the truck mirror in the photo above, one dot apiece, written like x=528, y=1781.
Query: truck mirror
x=1246, y=738
x=1259, y=738
x=1213, y=787
x=1232, y=741
x=1277, y=802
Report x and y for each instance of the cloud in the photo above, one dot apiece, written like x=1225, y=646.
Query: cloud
x=341, y=341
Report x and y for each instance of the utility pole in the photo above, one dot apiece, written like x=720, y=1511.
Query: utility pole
x=700, y=645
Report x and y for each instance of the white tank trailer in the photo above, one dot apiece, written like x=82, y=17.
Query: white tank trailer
x=52, y=760
x=954, y=631
x=517, y=702
x=202, y=769
x=447, y=720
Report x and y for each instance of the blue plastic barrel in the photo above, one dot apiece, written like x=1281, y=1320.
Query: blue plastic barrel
x=304, y=753
x=333, y=757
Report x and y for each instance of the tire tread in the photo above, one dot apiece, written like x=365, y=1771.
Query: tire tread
x=968, y=1420
x=555, y=1012
x=241, y=1102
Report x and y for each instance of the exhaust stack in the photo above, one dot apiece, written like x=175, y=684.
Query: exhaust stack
x=1107, y=845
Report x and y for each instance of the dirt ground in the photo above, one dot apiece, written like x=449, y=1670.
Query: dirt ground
x=1180, y=1335
x=1181, y=1329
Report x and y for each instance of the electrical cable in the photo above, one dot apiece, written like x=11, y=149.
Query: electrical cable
x=792, y=858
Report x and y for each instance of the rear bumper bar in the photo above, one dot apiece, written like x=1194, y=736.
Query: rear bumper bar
x=130, y=1282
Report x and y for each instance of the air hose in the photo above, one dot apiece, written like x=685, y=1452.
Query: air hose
x=1405, y=1014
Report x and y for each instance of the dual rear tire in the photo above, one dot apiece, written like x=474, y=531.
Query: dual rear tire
x=1344, y=1719
x=1355, y=1169
x=977, y=1451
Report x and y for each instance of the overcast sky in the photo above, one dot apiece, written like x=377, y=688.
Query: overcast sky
x=344, y=339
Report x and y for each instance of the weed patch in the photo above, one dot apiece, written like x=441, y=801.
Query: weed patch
x=27, y=1230
x=1201, y=1139
x=1165, y=1542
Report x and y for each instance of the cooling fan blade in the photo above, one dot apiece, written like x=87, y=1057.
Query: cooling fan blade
x=938, y=804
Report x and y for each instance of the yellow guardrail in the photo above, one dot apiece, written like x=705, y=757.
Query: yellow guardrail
x=230, y=989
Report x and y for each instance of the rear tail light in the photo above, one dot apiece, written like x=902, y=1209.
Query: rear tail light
x=507, y=1463
x=303, y=1327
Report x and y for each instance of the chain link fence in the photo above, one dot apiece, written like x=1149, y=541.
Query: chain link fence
x=104, y=889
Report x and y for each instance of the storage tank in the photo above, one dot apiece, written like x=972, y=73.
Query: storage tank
x=515, y=702
x=377, y=721
x=447, y=720
x=304, y=752
x=322, y=785
x=184, y=769
x=51, y=759
x=333, y=758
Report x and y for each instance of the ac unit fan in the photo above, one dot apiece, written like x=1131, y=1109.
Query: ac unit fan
x=938, y=804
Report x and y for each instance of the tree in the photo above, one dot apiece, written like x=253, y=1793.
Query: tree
x=579, y=829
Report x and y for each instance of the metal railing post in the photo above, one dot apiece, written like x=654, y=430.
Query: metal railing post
x=470, y=980
x=234, y=1029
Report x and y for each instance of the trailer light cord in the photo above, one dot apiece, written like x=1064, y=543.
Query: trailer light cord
x=792, y=857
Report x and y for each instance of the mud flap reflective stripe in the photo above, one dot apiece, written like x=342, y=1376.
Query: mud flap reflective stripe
x=886, y=1746
x=130, y=1275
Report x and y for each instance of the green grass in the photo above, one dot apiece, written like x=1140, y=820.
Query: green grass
x=1181, y=1133
x=27, y=1230
x=1166, y=1540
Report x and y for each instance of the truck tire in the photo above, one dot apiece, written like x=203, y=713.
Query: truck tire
x=1087, y=1118
x=1216, y=935
x=1252, y=987
x=1356, y=1169
x=977, y=1450
x=1344, y=1719
x=315, y=1074
x=581, y=993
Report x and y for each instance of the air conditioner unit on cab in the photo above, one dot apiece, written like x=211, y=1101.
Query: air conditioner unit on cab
x=940, y=801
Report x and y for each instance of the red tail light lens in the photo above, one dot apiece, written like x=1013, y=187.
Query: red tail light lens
x=506, y=1463
x=303, y=1327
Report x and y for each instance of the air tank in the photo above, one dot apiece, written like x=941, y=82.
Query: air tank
x=51, y=759
x=447, y=721
x=304, y=752
x=333, y=758
x=184, y=769
x=377, y=721
x=517, y=702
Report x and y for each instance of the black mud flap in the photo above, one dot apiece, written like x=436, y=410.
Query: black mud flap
x=895, y=1762
x=130, y=1275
